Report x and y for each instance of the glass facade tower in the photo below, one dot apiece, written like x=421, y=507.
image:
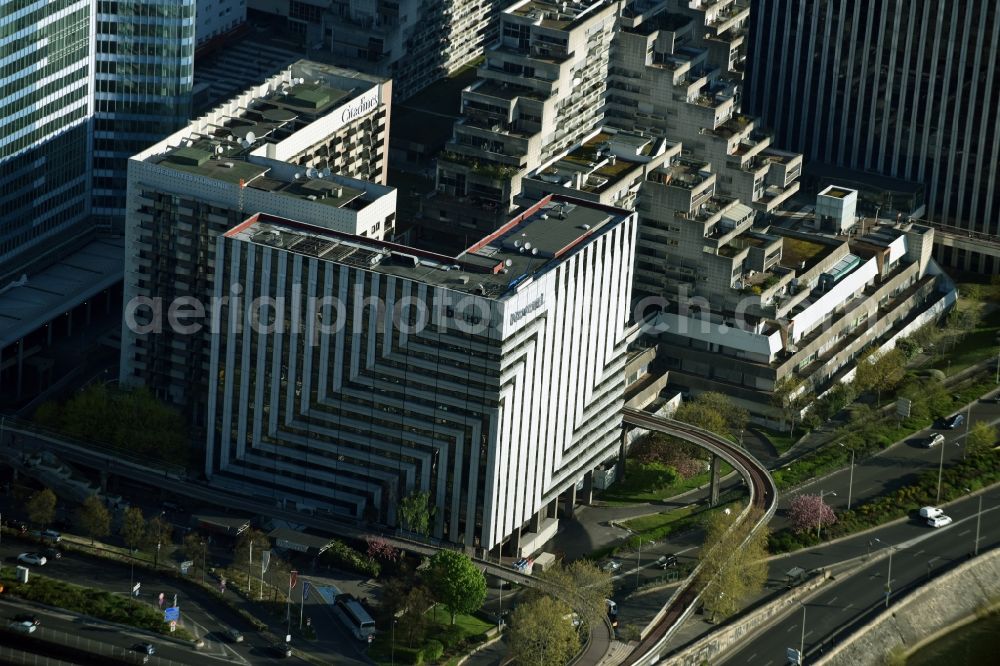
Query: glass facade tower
x=143, y=80
x=45, y=77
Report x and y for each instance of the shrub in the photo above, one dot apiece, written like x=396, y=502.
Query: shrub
x=432, y=651
x=341, y=555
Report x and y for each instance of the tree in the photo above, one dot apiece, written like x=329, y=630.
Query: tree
x=133, y=529
x=734, y=564
x=457, y=582
x=406, y=603
x=706, y=417
x=414, y=512
x=736, y=418
x=809, y=512
x=586, y=587
x=657, y=448
x=982, y=437
x=195, y=549
x=159, y=533
x=380, y=549
x=880, y=371
x=542, y=633
x=41, y=507
x=787, y=396
x=93, y=518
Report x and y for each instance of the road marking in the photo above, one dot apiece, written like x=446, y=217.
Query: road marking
x=919, y=552
x=965, y=532
x=681, y=552
x=834, y=599
x=752, y=657
x=790, y=627
x=846, y=608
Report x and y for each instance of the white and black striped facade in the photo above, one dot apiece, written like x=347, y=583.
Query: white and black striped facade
x=903, y=88
x=506, y=397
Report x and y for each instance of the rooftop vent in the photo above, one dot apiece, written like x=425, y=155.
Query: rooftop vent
x=228, y=165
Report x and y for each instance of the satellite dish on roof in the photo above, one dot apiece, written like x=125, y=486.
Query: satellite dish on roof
x=311, y=172
x=251, y=137
x=245, y=143
x=219, y=150
x=326, y=172
x=298, y=176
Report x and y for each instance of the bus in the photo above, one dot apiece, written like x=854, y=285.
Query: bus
x=355, y=618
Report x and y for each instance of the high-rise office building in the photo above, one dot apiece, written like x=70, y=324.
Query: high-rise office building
x=144, y=73
x=290, y=146
x=492, y=379
x=44, y=129
x=902, y=89
x=540, y=92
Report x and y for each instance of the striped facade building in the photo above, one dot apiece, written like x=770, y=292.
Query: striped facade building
x=906, y=89
x=492, y=380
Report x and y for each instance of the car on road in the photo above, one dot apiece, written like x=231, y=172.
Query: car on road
x=612, y=612
x=939, y=521
x=23, y=627
x=51, y=535
x=934, y=440
x=26, y=617
x=282, y=650
x=32, y=558
x=930, y=512
x=234, y=635
x=667, y=561
x=52, y=553
x=611, y=566
x=145, y=648
x=953, y=421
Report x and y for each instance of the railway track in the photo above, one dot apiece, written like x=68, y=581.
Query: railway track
x=763, y=498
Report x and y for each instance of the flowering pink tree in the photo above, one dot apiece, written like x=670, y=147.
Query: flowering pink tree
x=380, y=549
x=808, y=512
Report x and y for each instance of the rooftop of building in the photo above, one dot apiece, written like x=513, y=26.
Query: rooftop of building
x=527, y=246
x=802, y=254
x=239, y=142
x=837, y=192
x=603, y=160
x=558, y=15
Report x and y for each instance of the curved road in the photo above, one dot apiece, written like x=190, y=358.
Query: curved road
x=763, y=496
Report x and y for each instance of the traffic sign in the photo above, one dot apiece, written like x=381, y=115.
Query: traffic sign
x=173, y=626
x=172, y=614
x=160, y=600
x=793, y=656
x=135, y=589
x=371, y=638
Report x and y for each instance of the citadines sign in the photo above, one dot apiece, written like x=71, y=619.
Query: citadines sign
x=359, y=107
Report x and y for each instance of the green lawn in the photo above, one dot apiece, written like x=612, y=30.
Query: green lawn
x=663, y=525
x=457, y=639
x=977, y=346
x=645, y=485
x=781, y=441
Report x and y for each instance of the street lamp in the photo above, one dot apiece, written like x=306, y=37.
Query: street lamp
x=819, y=518
x=940, y=470
x=850, y=483
x=870, y=543
x=392, y=654
x=638, y=559
x=888, y=577
x=802, y=641
x=979, y=515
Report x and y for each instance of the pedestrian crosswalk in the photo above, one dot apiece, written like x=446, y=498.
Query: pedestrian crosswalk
x=234, y=68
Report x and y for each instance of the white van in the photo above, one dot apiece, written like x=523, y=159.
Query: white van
x=930, y=512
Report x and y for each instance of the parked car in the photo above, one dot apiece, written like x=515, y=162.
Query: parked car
x=667, y=561
x=23, y=627
x=234, y=635
x=934, y=440
x=32, y=558
x=611, y=566
x=930, y=512
x=52, y=535
x=612, y=612
x=145, y=648
x=939, y=521
x=27, y=617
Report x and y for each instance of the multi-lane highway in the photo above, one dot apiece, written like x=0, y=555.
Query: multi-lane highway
x=918, y=552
